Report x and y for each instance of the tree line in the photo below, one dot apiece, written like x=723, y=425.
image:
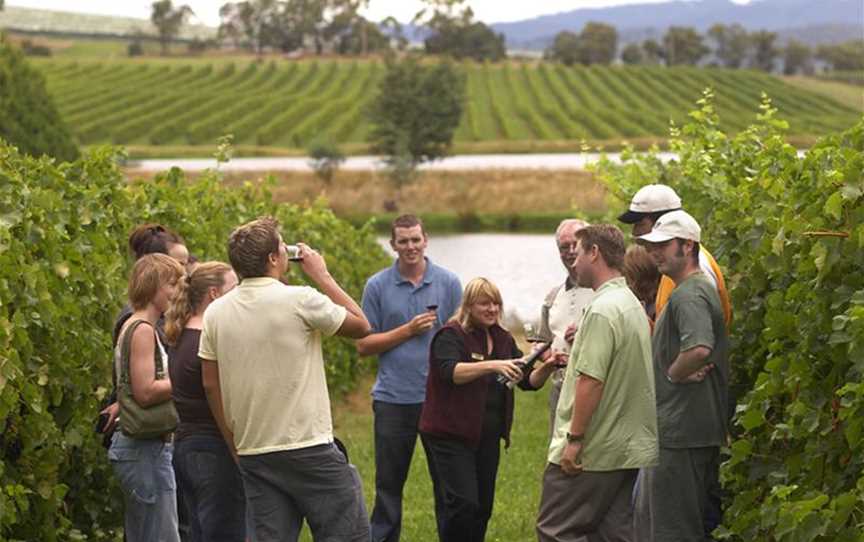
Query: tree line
x=336, y=27
x=730, y=46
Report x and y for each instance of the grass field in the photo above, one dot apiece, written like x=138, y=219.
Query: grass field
x=517, y=494
x=286, y=104
x=847, y=94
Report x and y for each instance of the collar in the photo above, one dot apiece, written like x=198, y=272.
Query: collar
x=569, y=284
x=427, y=274
x=611, y=284
x=255, y=282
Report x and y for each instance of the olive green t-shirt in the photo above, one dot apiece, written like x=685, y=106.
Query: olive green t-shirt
x=613, y=345
x=692, y=415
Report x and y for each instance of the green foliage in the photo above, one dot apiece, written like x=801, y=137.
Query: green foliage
x=416, y=110
x=28, y=117
x=596, y=44
x=843, y=56
x=168, y=20
x=326, y=158
x=789, y=232
x=62, y=280
x=683, y=45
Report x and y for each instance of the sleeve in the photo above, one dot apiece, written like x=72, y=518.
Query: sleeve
x=594, y=353
x=207, y=345
x=371, y=305
x=319, y=312
x=447, y=350
x=693, y=318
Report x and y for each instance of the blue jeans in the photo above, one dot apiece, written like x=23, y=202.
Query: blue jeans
x=210, y=481
x=147, y=479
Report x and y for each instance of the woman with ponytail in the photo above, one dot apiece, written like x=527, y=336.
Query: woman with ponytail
x=206, y=472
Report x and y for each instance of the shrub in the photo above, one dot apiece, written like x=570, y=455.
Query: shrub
x=326, y=157
x=28, y=118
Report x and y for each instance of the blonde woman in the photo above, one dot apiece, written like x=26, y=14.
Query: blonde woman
x=468, y=412
x=143, y=465
x=206, y=473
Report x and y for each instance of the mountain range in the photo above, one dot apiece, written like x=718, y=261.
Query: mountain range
x=811, y=21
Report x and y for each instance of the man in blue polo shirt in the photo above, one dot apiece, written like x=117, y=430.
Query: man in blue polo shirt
x=404, y=304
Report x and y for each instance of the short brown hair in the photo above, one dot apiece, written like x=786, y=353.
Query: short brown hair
x=405, y=221
x=641, y=273
x=151, y=272
x=250, y=244
x=152, y=239
x=609, y=241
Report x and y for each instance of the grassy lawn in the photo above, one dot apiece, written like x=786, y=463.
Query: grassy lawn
x=846, y=94
x=517, y=495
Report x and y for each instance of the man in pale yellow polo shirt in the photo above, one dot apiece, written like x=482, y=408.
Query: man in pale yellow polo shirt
x=263, y=373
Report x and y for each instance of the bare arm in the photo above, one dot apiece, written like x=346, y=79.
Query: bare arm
x=355, y=325
x=465, y=372
x=375, y=343
x=688, y=362
x=543, y=371
x=213, y=391
x=589, y=392
x=146, y=390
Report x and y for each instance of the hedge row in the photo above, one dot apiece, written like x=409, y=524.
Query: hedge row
x=63, y=271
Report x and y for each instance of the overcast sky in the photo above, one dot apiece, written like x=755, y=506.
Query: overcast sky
x=207, y=11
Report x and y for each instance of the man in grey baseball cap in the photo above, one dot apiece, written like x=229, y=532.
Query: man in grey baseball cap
x=691, y=376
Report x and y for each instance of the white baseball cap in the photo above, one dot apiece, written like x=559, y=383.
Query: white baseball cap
x=652, y=198
x=674, y=225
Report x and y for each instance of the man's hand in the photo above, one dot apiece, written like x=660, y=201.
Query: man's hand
x=422, y=323
x=698, y=376
x=570, y=332
x=570, y=458
x=112, y=410
x=312, y=263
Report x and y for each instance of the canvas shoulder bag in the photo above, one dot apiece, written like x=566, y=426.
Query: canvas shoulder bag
x=135, y=420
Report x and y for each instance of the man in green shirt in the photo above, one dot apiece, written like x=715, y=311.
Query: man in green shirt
x=606, y=420
x=691, y=373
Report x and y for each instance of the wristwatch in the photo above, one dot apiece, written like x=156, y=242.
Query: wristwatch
x=574, y=438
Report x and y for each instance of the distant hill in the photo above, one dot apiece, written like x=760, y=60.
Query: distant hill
x=815, y=22
x=77, y=24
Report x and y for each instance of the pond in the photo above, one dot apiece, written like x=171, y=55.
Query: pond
x=523, y=266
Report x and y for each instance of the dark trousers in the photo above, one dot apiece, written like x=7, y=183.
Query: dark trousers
x=672, y=498
x=395, y=438
x=210, y=481
x=316, y=484
x=463, y=480
x=593, y=505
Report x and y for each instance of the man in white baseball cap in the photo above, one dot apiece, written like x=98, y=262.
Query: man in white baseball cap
x=647, y=206
x=690, y=350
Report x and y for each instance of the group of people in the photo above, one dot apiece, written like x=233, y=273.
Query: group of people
x=223, y=420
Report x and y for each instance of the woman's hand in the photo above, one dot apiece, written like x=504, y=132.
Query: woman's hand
x=507, y=367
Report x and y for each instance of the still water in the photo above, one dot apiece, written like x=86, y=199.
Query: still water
x=523, y=266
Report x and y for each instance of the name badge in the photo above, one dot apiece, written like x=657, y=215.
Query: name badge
x=477, y=357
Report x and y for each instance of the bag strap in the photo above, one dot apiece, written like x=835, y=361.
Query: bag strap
x=126, y=351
